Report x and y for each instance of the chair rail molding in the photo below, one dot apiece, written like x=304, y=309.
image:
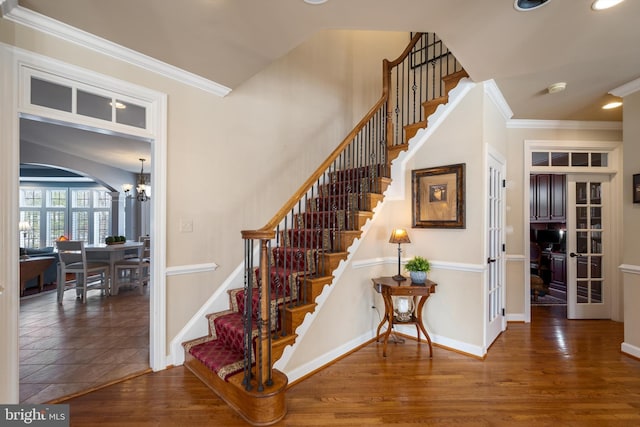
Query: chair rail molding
x=629, y=268
x=191, y=268
x=435, y=264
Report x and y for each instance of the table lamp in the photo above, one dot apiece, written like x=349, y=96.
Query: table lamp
x=399, y=236
x=24, y=227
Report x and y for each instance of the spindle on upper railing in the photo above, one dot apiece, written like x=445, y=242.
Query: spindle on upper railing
x=313, y=221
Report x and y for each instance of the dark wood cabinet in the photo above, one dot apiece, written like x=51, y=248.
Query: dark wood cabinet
x=558, y=267
x=558, y=198
x=547, y=198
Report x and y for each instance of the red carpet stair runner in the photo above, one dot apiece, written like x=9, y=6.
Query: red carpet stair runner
x=300, y=248
x=329, y=224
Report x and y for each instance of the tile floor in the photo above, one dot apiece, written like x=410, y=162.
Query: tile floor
x=68, y=348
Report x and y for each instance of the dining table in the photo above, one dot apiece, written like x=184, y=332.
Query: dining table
x=112, y=253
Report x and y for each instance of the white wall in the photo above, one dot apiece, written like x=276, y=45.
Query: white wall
x=276, y=128
x=454, y=315
x=631, y=226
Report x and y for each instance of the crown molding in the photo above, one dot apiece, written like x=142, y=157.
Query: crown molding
x=563, y=124
x=7, y=5
x=495, y=95
x=626, y=89
x=39, y=22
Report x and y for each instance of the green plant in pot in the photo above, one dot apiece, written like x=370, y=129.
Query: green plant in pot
x=418, y=268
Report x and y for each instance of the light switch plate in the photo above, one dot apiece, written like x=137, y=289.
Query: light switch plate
x=186, y=226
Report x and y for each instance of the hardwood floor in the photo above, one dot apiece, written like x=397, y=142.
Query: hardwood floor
x=552, y=371
x=69, y=348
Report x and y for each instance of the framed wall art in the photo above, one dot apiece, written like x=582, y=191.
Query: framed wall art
x=636, y=188
x=438, y=197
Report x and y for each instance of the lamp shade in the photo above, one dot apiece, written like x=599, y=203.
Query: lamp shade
x=24, y=226
x=399, y=235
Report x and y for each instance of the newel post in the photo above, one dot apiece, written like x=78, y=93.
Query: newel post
x=262, y=373
x=263, y=361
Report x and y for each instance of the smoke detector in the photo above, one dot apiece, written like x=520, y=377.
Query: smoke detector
x=557, y=87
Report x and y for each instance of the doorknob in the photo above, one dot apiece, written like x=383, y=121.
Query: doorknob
x=490, y=260
x=573, y=255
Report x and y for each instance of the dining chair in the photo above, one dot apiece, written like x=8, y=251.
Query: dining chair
x=88, y=275
x=130, y=272
x=146, y=253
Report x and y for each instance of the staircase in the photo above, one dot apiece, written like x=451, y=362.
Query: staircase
x=290, y=260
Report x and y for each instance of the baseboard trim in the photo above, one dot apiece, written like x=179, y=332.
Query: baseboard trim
x=326, y=359
x=516, y=317
x=630, y=350
x=444, y=342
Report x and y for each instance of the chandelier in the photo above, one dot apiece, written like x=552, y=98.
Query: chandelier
x=143, y=188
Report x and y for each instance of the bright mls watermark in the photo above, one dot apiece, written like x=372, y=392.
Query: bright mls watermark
x=34, y=415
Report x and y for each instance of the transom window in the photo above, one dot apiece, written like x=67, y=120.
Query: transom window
x=569, y=159
x=51, y=96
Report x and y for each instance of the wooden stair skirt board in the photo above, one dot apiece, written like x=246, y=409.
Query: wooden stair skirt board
x=429, y=107
x=257, y=408
x=300, y=265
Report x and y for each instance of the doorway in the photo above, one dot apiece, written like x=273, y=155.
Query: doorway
x=17, y=64
x=552, y=227
x=547, y=239
x=106, y=338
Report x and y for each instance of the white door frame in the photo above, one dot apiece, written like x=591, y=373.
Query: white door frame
x=614, y=150
x=11, y=58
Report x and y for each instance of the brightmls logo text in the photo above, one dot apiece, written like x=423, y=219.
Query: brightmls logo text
x=34, y=415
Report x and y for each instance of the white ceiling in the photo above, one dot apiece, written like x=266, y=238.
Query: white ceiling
x=228, y=41
x=114, y=150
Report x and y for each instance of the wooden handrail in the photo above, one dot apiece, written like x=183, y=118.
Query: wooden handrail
x=303, y=250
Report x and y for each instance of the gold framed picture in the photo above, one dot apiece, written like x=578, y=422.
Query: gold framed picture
x=438, y=197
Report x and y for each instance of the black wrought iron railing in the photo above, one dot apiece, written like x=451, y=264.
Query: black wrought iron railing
x=293, y=247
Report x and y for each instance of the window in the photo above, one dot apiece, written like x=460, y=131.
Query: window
x=561, y=159
x=86, y=101
x=79, y=213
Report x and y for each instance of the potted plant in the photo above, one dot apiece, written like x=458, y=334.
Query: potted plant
x=418, y=268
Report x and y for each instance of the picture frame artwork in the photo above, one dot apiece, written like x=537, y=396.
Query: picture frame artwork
x=636, y=188
x=439, y=197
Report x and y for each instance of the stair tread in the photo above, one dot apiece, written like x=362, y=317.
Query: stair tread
x=315, y=241
x=216, y=356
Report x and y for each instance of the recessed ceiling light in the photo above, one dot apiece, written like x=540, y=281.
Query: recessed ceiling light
x=524, y=5
x=315, y=1
x=557, y=87
x=612, y=105
x=604, y=4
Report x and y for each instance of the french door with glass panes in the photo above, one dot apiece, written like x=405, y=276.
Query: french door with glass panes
x=588, y=239
x=496, y=320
